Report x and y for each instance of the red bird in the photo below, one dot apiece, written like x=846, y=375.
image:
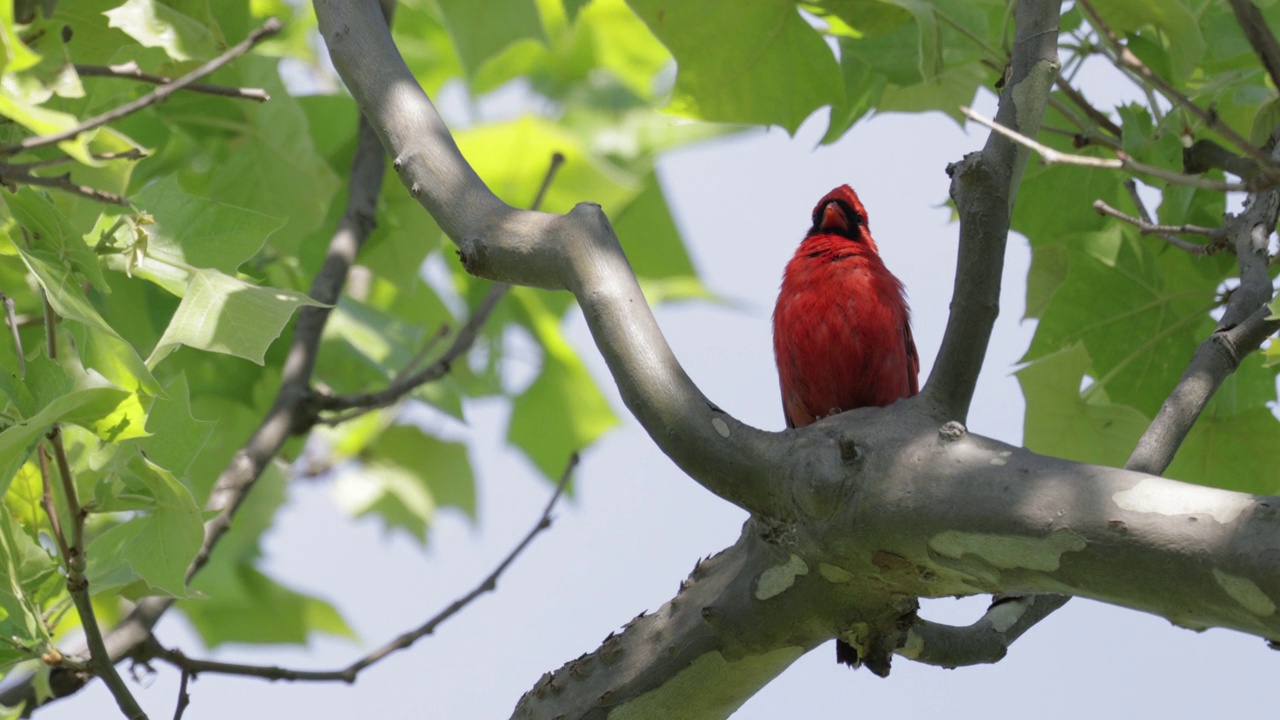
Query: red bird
x=841, y=328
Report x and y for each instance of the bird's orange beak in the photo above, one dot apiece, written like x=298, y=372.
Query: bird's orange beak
x=833, y=219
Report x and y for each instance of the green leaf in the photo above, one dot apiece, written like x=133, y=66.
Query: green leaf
x=404, y=477
x=563, y=411
x=1140, y=332
x=108, y=351
x=24, y=567
x=776, y=71
x=478, y=37
x=1181, y=38
x=94, y=407
x=154, y=24
x=1063, y=422
x=262, y=612
x=50, y=235
x=223, y=314
x=192, y=231
x=177, y=436
x=154, y=547
x=655, y=248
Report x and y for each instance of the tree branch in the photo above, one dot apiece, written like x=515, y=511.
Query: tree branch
x=131, y=71
x=61, y=182
x=160, y=94
x=1165, y=232
x=462, y=342
x=1244, y=325
x=1050, y=156
x=577, y=252
x=1260, y=37
x=984, y=186
x=289, y=414
x=985, y=641
x=348, y=674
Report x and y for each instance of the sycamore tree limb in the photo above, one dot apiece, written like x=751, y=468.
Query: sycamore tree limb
x=985, y=641
x=577, y=252
x=984, y=186
x=855, y=516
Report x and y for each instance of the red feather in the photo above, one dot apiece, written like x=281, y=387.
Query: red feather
x=841, y=328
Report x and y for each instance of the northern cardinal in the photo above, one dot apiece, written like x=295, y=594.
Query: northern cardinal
x=841, y=328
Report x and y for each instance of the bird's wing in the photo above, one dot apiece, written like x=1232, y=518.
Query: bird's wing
x=913, y=359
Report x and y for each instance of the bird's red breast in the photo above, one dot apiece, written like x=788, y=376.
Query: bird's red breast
x=841, y=328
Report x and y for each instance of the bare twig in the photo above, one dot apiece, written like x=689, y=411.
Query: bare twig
x=100, y=661
x=130, y=154
x=1125, y=59
x=358, y=404
x=160, y=94
x=131, y=71
x=184, y=697
x=1165, y=232
x=1096, y=115
x=349, y=673
x=61, y=182
x=1050, y=156
x=11, y=318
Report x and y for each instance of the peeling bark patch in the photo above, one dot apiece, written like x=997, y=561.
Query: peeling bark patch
x=1004, y=615
x=710, y=687
x=914, y=645
x=1007, y=552
x=721, y=427
x=834, y=574
x=775, y=580
x=1003, y=458
x=1155, y=495
x=1247, y=593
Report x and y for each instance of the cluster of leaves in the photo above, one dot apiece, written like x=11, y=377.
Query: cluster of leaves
x=163, y=354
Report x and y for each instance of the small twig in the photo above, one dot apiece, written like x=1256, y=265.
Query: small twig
x=50, y=323
x=11, y=317
x=61, y=182
x=1166, y=232
x=130, y=154
x=184, y=697
x=131, y=71
x=46, y=502
x=160, y=94
x=404, y=383
x=1096, y=115
x=1126, y=60
x=349, y=673
x=100, y=661
x=1051, y=156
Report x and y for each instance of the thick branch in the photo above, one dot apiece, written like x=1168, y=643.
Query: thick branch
x=984, y=186
x=577, y=252
x=985, y=641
